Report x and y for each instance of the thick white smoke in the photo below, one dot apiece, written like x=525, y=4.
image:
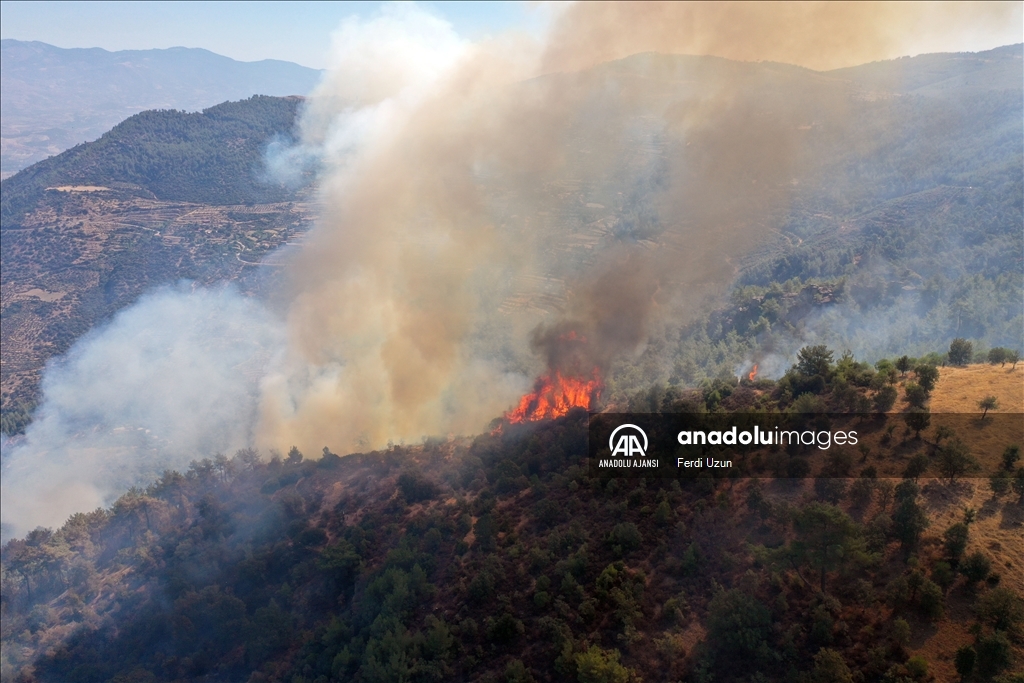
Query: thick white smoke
x=171, y=379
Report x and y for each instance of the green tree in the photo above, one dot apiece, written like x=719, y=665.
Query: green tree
x=885, y=398
x=955, y=540
x=961, y=352
x=917, y=667
x=903, y=364
x=917, y=396
x=943, y=432
x=999, y=483
x=931, y=601
x=927, y=376
x=1002, y=608
x=955, y=460
x=516, y=672
x=994, y=653
x=908, y=523
x=1013, y=357
x=830, y=667
x=814, y=360
x=916, y=467
x=975, y=568
x=625, y=538
x=825, y=537
x=986, y=404
x=1010, y=457
x=997, y=356
x=918, y=420
x=964, y=661
x=943, y=575
x=663, y=514
x=738, y=629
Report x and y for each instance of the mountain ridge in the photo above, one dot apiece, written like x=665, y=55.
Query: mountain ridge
x=54, y=98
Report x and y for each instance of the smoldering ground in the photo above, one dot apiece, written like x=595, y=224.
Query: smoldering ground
x=475, y=195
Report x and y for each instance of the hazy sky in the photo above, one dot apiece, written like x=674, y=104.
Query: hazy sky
x=294, y=31
x=301, y=31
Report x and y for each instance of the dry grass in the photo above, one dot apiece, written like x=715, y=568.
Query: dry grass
x=960, y=389
x=998, y=530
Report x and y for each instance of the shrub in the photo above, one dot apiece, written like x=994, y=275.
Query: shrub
x=994, y=653
x=1002, y=608
x=975, y=568
x=885, y=398
x=625, y=538
x=964, y=660
x=829, y=667
x=943, y=575
x=917, y=667
x=505, y=629
x=931, y=600
x=598, y=665
x=516, y=672
x=416, y=488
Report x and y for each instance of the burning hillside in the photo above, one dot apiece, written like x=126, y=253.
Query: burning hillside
x=554, y=395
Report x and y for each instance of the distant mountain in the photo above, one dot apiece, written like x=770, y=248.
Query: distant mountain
x=53, y=98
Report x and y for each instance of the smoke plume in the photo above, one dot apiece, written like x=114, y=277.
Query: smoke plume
x=482, y=203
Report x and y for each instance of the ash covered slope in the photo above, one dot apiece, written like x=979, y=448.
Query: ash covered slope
x=55, y=98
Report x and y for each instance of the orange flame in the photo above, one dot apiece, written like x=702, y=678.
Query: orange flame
x=554, y=397
x=753, y=373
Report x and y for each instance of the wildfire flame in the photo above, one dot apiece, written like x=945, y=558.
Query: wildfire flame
x=554, y=396
x=753, y=373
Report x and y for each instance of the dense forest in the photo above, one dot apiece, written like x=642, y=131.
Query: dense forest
x=501, y=558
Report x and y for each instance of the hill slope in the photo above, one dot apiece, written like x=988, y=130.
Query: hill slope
x=467, y=560
x=164, y=195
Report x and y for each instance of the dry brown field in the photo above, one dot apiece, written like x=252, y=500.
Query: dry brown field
x=960, y=389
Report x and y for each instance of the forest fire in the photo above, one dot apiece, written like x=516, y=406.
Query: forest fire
x=752, y=375
x=553, y=396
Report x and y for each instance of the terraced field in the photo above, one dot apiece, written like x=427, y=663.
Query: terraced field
x=67, y=269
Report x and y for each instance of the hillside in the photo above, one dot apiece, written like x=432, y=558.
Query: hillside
x=892, y=227
x=211, y=157
x=465, y=559
x=960, y=389
x=52, y=98
x=163, y=196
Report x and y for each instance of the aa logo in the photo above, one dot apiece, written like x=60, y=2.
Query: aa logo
x=628, y=442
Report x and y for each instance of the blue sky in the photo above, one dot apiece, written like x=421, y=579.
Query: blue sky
x=294, y=31
x=301, y=31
